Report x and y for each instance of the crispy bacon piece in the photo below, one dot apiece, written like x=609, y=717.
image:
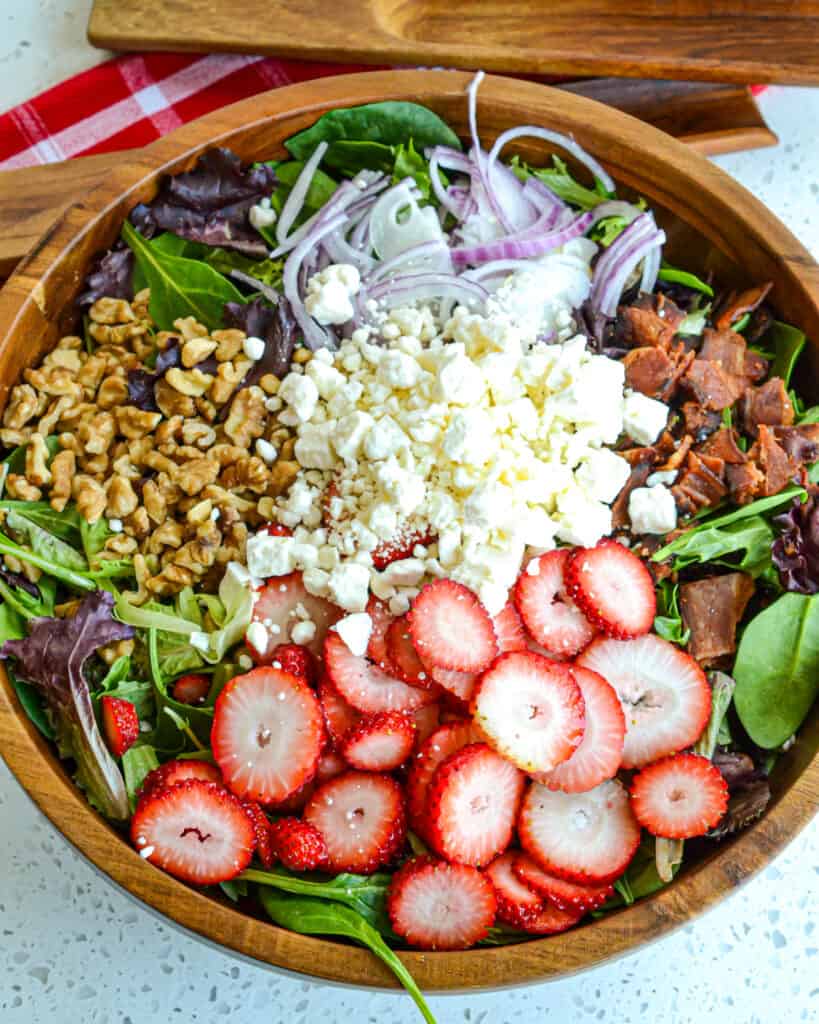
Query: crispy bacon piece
x=656, y=371
x=801, y=443
x=642, y=462
x=711, y=386
x=745, y=482
x=722, y=444
x=701, y=484
x=711, y=609
x=767, y=470
x=768, y=404
x=738, y=304
x=727, y=348
x=699, y=422
x=756, y=367
x=651, y=320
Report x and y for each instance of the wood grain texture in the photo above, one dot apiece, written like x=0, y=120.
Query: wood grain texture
x=712, y=223
x=709, y=118
x=720, y=40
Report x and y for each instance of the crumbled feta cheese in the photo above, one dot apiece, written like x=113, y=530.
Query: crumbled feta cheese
x=602, y=474
x=644, y=418
x=262, y=216
x=303, y=632
x=355, y=631
x=300, y=394
x=329, y=293
x=667, y=476
x=349, y=586
x=258, y=637
x=266, y=451
x=405, y=572
x=269, y=556
x=253, y=348
x=652, y=509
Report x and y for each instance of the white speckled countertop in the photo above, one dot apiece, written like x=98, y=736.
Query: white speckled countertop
x=74, y=949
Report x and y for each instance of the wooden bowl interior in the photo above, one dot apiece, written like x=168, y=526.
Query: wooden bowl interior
x=712, y=224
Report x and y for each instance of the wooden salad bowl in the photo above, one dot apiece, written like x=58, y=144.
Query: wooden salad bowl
x=712, y=224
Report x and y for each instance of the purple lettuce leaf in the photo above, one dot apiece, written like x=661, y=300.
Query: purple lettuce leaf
x=795, y=552
x=210, y=204
x=277, y=328
x=111, y=276
x=141, y=382
x=51, y=658
x=749, y=791
x=21, y=582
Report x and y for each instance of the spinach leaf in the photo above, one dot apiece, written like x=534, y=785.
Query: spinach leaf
x=12, y=628
x=409, y=163
x=787, y=342
x=44, y=543
x=76, y=580
x=93, y=537
x=136, y=763
x=503, y=935
x=777, y=669
x=640, y=878
x=322, y=186
x=385, y=124
x=15, y=461
x=27, y=605
x=172, y=717
x=269, y=272
x=66, y=524
x=180, y=287
x=234, y=890
x=308, y=916
x=722, y=692
x=684, y=277
x=668, y=622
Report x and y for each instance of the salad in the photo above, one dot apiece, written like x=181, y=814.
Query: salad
x=403, y=544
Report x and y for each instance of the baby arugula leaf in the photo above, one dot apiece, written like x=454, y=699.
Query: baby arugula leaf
x=308, y=916
x=66, y=524
x=787, y=343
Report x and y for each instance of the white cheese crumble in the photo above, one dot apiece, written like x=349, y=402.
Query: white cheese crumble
x=355, y=631
x=253, y=348
x=330, y=292
x=644, y=418
x=652, y=509
x=258, y=637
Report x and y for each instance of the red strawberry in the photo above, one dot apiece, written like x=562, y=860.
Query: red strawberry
x=451, y=629
x=403, y=660
x=613, y=588
x=460, y=685
x=550, y=920
x=195, y=831
x=121, y=724
x=530, y=709
x=277, y=608
x=275, y=530
x=191, y=689
x=380, y=743
x=427, y=720
x=548, y=612
x=173, y=772
x=565, y=895
x=445, y=741
x=679, y=797
x=297, y=660
x=298, y=845
x=509, y=629
x=472, y=803
x=400, y=546
x=267, y=734
x=585, y=837
x=381, y=618
x=361, y=816
x=665, y=696
x=367, y=687
x=296, y=802
x=601, y=749
x=261, y=829
x=339, y=716
x=516, y=900
x=434, y=905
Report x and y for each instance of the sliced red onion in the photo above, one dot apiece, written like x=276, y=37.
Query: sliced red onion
x=495, y=269
x=640, y=227
x=416, y=258
x=450, y=159
x=651, y=268
x=441, y=194
x=423, y=287
x=477, y=155
x=315, y=337
x=541, y=195
x=556, y=138
x=295, y=201
x=523, y=246
x=341, y=251
x=391, y=236
x=266, y=290
x=613, y=269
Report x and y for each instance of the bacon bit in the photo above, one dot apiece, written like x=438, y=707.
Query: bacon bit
x=768, y=404
x=738, y=304
x=711, y=609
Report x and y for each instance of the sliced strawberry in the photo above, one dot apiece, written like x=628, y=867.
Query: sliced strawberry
x=585, y=837
x=601, y=750
x=613, y=588
x=460, y=685
x=402, y=658
x=445, y=741
x=509, y=629
x=530, y=710
x=516, y=900
x=381, y=742
x=361, y=816
x=275, y=530
x=472, y=803
x=196, y=831
x=367, y=687
x=665, y=696
x=329, y=765
x=267, y=734
x=297, y=660
x=565, y=895
x=679, y=797
x=172, y=772
x=381, y=617
x=434, y=905
x=548, y=612
x=339, y=716
x=550, y=920
x=121, y=724
x=261, y=829
x=191, y=689
x=451, y=629
x=400, y=546
x=298, y=845
x=427, y=720
x=279, y=606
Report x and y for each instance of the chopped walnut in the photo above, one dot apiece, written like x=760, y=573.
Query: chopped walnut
x=23, y=405
x=197, y=349
x=192, y=383
x=97, y=433
x=229, y=344
x=113, y=392
x=122, y=499
x=196, y=474
x=247, y=418
x=63, y=468
x=247, y=473
x=172, y=402
x=37, y=455
x=18, y=487
x=90, y=497
x=135, y=423
x=111, y=311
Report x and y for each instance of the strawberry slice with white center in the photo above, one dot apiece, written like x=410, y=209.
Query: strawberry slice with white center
x=665, y=696
x=380, y=743
x=549, y=614
x=339, y=716
x=613, y=588
x=585, y=837
x=121, y=724
x=381, y=618
x=472, y=803
x=366, y=686
x=194, y=830
x=516, y=900
x=267, y=735
x=601, y=750
x=403, y=660
x=172, y=772
x=550, y=920
x=679, y=797
x=439, y=906
x=443, y=742
x=565, y=895
x=530, y=710
x=459, y=684
x=451, y=629
x=427, y=720
x=281, y=603
x=362, y=819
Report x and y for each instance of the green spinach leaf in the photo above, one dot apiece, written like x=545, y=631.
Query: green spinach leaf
x=45, y=544
x=137, y=762
x=777, y=669
x=668, y=622
x=561, y=182
x=672, y=275
x=66, y=524
x=787, y=342
x=12, y=628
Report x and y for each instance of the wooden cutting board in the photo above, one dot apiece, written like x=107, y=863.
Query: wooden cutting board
x=710, y=118
x=718, y=40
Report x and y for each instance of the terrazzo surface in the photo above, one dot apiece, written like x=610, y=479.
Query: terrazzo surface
x=75, y=949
